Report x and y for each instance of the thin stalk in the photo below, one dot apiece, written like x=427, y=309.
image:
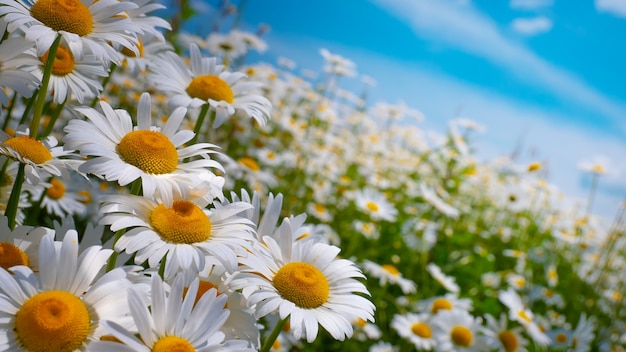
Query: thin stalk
x=135, y=189
x=53, y=118
x=105, y=81
x=43, y=90
x=200, y=122
x=9, y=111
x=14, y=199
x=162, y=267
x=29, y=106
x=592, y=191
x=267, y=345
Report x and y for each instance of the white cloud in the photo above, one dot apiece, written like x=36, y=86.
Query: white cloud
x=467, y=29
x=615, y=7
x=531, y=4
x=532, y=26
x=509, y=122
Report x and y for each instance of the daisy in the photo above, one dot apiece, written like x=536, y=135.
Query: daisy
x=457, y=331
x=433, y=199
x=71, y=77
x=382, y=346
x=61, y=308
x=450, y=301
x=123, y=152
x=499, y=336
x=375, y=204
x=87, y=26
x=59, y=197
x=20, y=246
x=388, y=273
x=149, y=25
x=416, y=328
x=206, y=82
x=172, y=322
x=303, y=280
x=13, y=55
x=42, y=158
x=518, y=312
x=583, y=335
x=446, y=281
x=183, y=231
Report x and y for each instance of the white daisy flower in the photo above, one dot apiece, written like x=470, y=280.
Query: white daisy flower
x=42, y=158
x=448, y=282
x=20, y=246
x=14, y=55
x=173, y=322
x=184, y=230
x=415, y=328
x=71, y=77
x=375, y=204
x=206, y=82
x=58, y=197
x=449, y=301
x=388, y=273
x=124, y=152
x=457, y=331
x=498, y=336
x=303, y=280
x=433, y=199
x=519, y=313
x=149, y=25
x=87, y=26
x=61, y=308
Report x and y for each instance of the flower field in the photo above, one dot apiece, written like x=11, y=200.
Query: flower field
x=162, y=193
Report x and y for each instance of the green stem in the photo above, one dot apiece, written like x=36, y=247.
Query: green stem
x=43, y=90
x=592, y=191
x=54, y=118
x=9, y=111
x=14, y=199
x=162, y=267
x=29, y=106
x=267, y=345
x=199, y=122
x=105, y=81
x=135, y=189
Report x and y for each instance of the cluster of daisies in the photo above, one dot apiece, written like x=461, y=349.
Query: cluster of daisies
x=183, y=200
x=118, y=233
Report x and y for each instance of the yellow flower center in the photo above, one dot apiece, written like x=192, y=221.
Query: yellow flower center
x=534, y=166
x=63, y=61
x=150, y=151
x=203, y=287
x=129, y=53
x=441, y=303
x=461, y=336
x=508, y=340
x=302, y=284
x=29, y=149
x=173, y=344
x=184, y=222
x=52, y=321
x=561, y=337
x=210, y=87
x=11, y=255
x=249, y=163
x=371, y=206
x=56, y=189
x=64, y=15
x=522, y=314
x=390, y=269
x=422, y=330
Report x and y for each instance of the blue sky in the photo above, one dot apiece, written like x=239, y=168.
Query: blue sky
x=549, y=75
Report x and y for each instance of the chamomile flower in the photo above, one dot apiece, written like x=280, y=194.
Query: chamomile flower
x=42, y=158
x=449, y=282
x=149, y=25
x=172, y=322
x=431, y=197
x=416, y=328
x=20, y=246
x=375, y=204
x=518, y=312
x=303, y=280
x=59, y=198
x=457, y=331
x=61, y=308
x=450, y=301
x=13, y=55
x=206, y=82
x=499, y=336
x=122, y=152
x=388, y=273
x=183, y=231
x=71, y=78
x=87, y=26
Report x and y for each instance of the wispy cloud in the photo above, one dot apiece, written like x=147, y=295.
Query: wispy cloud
x=464, y=27
x=615, y=7
x=532, y=26
x=531, y=4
